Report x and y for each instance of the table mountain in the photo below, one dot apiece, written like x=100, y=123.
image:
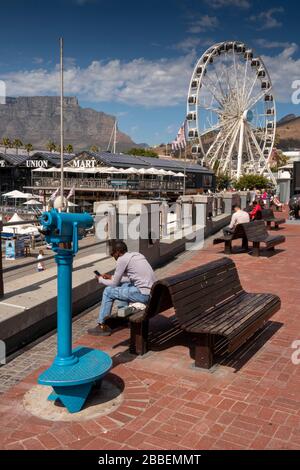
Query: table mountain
x=36, y=120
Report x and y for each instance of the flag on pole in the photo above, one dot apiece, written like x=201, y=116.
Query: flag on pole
x=71, y=192
x=53, y=195
x=180, y=141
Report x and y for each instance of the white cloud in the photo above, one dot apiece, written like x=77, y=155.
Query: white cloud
x=266, y=19
x=204, y=23
x=266, y=44
x=139, y=82
x=37, y=60
x=227, y=3
x=190, y=43
x=283, y=69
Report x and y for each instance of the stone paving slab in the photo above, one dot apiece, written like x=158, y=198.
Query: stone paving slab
x=251, y=400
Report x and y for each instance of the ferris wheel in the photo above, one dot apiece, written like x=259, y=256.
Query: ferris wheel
x=231, y=112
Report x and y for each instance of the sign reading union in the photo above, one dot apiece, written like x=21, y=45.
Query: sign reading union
x=37, y=163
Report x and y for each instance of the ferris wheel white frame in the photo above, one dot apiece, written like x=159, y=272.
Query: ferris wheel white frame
x=233, y=132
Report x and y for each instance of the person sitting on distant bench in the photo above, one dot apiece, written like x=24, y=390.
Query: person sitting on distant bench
x=277, y=203
x=256, y=213
x=131, y=282
x=238, y=217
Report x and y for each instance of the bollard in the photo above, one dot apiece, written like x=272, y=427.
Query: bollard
x=73, y=372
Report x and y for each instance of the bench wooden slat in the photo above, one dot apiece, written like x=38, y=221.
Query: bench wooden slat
x=205, y=286
x=229, y=308
x=188, y=316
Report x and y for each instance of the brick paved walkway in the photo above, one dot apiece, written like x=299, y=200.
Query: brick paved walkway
x=250, y=401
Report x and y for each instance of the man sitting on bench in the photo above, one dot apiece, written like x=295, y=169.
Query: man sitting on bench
x=238, y=217
x=131, y=282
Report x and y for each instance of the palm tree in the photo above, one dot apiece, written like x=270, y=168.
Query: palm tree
x=29, y=148
x=94, y=149
x=51, y=146
x=17, y=143
x=6, y=143
x=69, y=148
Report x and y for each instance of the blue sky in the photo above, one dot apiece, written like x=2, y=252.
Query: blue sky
x=134, y=59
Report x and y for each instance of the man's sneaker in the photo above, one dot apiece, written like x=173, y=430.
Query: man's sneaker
x=100, y=330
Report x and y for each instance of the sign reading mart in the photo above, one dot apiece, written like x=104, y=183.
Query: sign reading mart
x=83, y=163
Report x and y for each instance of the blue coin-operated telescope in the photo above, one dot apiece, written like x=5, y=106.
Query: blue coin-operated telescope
x=73, y=372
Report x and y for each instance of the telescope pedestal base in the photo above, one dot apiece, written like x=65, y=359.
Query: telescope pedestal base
x=72, y=384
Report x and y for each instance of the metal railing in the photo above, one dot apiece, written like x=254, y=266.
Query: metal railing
x=103, y=183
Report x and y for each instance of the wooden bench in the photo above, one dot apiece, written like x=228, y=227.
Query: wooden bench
x=257, y=233
x=227, y=239
x=210, y=306
x=269, y=217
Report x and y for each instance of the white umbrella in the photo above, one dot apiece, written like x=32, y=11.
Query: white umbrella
x=43, y=169
x=152, y=171
x=86, y=203
x=130, y=171
x=162, y=172
x=16, y=195
x=107, y=170
x=142, y=171
x=171, y=173
x=16, y=218
x=180, y=175
x=72, y=204
x=24, y=229
x=32, y=202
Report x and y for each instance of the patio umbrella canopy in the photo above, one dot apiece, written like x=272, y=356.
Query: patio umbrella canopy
x=17, y=195
x=32, y=202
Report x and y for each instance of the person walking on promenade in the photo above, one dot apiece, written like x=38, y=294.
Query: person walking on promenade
x=40, y=265
x=131, y=282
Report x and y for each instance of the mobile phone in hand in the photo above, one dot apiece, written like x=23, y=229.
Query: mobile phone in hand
x=97, y=273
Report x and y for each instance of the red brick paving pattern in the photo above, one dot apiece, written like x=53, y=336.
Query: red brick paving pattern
x=250, y=401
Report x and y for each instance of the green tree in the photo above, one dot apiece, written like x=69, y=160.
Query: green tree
x=142, y=152
x=28, y=148
x=6, y=143
x=278, y=159
x=223, y=181
x=94, y=149
x=51, y=146
x=17, y=143
x=251, y=182
x=69, y=148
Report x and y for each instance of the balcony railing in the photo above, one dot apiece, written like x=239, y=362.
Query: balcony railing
x=103, y=183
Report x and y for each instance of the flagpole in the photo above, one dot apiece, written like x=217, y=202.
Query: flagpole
x=184, y=171
x=61, y=123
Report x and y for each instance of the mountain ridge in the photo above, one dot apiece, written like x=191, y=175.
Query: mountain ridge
x=36, y=120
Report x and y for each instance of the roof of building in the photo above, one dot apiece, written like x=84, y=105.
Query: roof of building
x=122, y=160
x=53, y=157
x=13, y=159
